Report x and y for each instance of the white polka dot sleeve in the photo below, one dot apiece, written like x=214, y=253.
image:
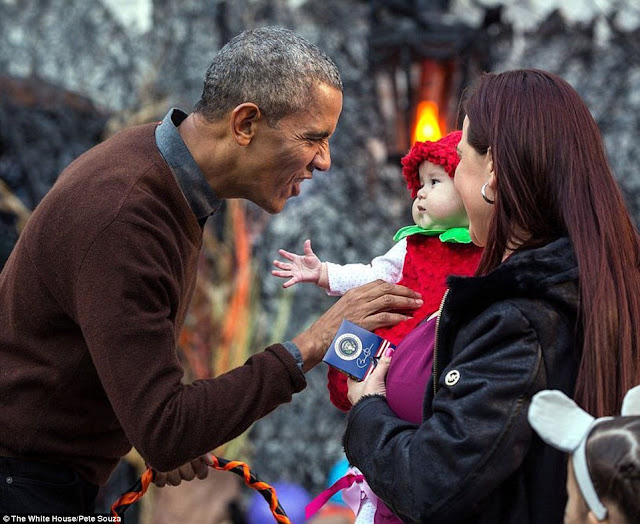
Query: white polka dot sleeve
x=387, y=267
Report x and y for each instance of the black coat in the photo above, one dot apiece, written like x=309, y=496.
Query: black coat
x=500, y=339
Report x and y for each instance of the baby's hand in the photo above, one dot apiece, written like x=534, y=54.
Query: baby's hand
x=303, y=268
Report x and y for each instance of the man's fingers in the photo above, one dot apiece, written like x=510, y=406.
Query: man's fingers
x=377, y=310
x=196, y=468
x=187, y=471
x=372, y=289
x=395, y=290
x=159, y=479
x=382, y=319
x=391, y=297
x=201, y=469
x=394, y=302
x=380, y=288
x=174, y=478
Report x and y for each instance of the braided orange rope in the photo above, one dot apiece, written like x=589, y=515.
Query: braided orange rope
x=133, y=495
x=239, y=468
x=251, y=480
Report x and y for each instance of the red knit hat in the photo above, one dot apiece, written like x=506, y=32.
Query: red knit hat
x=442, y=152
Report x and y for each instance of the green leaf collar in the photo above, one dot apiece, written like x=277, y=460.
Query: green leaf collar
x=455, y=235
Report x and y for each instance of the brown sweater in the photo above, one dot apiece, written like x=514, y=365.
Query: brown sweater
x=92, y=300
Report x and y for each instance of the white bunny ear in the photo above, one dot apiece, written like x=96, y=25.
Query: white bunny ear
x=558, y=420
x=631, y=402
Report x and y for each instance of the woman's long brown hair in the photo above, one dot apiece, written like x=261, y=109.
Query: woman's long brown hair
x=554, y=180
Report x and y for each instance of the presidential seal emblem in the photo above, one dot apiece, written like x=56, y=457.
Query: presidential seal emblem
x=348, y=346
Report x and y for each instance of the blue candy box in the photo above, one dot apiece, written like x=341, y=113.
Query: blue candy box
x=355, y=351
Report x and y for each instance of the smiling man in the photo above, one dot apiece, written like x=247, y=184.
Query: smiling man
x=270, y=103
x=95, y=293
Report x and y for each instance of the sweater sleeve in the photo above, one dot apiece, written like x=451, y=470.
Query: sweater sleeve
x=477, y=436
x=387, y=267
x=126, y=303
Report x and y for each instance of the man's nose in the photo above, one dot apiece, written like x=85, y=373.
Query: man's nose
x=322, y=160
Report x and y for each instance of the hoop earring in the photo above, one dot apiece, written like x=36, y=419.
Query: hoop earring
x=484, y=195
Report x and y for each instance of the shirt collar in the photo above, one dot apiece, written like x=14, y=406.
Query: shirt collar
x=197, y=191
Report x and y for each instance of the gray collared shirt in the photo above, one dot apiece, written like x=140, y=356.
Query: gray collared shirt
x=195, y=188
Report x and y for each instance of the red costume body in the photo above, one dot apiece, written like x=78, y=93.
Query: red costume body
x=427, y=264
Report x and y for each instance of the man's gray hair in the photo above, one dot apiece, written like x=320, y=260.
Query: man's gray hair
x=272, y=67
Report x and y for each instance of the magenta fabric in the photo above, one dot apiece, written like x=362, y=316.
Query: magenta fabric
x=410, y=370
x=342, y=483
x=406, y=381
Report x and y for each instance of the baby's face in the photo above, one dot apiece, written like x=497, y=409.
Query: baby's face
x=437, y=204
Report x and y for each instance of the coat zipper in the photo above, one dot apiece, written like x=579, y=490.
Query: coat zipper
x=435, y=345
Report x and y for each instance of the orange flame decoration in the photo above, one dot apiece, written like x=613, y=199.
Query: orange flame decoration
x=427, y=122
x=235, y=330
x=217, y=332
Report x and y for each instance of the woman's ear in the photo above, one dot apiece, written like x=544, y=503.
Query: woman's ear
x=592, y=519
x=491, y=180
x=244, y=120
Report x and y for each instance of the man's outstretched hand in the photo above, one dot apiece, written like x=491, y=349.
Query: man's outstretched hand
x=371, y=306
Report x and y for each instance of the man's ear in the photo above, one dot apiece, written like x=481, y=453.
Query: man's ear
x=244, y=120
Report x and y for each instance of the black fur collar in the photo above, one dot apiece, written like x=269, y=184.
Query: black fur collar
x=526, y=273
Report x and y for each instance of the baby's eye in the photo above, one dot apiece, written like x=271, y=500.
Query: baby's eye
x=435, y=181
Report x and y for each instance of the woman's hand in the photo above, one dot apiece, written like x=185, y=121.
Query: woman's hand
x=196, y=468
x=374, y=384
x=303, y=268
x=370, y=306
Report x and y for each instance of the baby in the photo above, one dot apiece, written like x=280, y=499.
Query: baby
x=436, y=246
x=603, y=471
